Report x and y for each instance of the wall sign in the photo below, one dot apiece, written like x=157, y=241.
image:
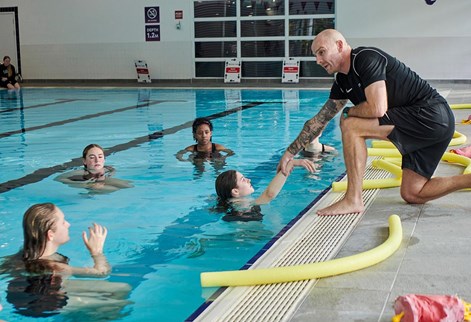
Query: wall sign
x=152, y=14
x=152, y=21
x=152, y=32
x=178, y=14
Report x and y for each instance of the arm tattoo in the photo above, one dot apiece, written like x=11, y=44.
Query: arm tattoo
x=313, y=127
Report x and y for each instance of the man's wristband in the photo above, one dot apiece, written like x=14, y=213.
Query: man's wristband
x=345, y=111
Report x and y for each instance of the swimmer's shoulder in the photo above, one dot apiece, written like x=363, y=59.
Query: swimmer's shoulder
x=72, y=176
x=219, y=147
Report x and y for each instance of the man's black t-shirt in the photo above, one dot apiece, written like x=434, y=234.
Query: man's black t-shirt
x=368, y=65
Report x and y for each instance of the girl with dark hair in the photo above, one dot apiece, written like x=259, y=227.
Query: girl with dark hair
x=233, y=189
x=95, y=175
x=8, y=74
x=232, y=186
x=204, y=147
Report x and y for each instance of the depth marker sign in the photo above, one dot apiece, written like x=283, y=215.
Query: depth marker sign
x=152, y=20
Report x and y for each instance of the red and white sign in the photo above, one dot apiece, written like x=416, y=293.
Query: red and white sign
x=143, y=75
x=232, y=71
x=290, y=70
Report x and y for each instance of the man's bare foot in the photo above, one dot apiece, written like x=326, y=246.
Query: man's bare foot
x=342, y=207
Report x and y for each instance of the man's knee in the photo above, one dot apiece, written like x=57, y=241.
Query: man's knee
x=411, y=197
x=348, y=125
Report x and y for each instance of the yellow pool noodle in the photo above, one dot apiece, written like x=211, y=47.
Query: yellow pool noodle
x=460, y=159
x=376, y=183
x=460, y=106
x=310, y=271
x=369, y=184
x=388, y=166
x=458, y=139
x=394, y=160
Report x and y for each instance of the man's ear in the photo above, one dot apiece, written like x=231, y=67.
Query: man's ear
x=339, y=44
x=235, y=192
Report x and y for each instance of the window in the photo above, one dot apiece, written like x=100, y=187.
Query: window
x=302, y=7
x=261, y=33
x=218, y=8
x=215, y=49
x=215, y=29
x=262, y=28
x=257, y=8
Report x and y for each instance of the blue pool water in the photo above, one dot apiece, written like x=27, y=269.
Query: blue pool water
x=163, y=232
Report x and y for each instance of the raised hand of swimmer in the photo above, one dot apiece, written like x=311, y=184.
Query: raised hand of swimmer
x=97, y=238
x=283, y=164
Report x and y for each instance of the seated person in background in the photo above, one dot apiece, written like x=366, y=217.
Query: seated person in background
x=232, y=189
x=204, y=149
x=95, y=175
x=8, y=75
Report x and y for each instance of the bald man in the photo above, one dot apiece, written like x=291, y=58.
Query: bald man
x=390, y=102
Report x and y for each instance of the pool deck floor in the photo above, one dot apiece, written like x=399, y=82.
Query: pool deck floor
x=434, y=258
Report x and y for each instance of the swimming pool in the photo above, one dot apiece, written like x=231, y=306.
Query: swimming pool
x=162, y=232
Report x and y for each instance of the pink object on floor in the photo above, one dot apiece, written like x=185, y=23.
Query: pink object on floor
x=465, y=151
x=429, y=308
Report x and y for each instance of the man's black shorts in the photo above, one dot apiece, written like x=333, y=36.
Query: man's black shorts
x=421, y=133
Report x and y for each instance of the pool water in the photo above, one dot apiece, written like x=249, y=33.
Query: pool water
x=163, y=232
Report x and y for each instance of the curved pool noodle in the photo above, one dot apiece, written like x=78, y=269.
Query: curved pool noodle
x=369, y=184
x=458, y=139
x=393, y=166
x=447, y=156
x=395, y=160
x=309, y=271
x=376, y=183
x=460, y=159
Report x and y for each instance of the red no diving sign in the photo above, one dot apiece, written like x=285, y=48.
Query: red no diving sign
x=232, y=71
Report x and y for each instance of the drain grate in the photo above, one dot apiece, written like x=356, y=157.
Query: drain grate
x=312, y=239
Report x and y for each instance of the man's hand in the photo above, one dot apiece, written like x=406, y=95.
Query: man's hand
x=282, y=165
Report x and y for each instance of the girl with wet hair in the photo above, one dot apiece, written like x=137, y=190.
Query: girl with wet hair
x=45, y=230
x=232, y=186
x=38, y=284
x=92, y=155
x=204, y=147
x=95, y=176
